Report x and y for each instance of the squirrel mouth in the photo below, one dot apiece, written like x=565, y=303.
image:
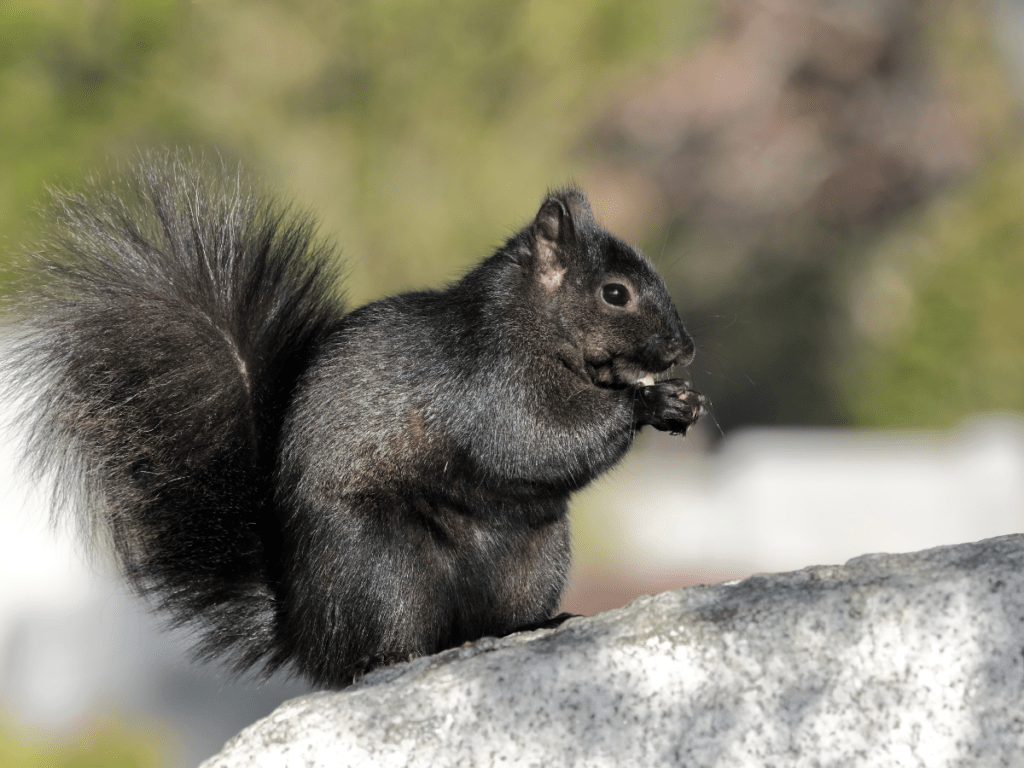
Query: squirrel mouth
x=614, y=377
x=609, y=371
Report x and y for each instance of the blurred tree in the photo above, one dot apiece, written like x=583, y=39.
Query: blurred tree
x=956, y=343
x=771, y=171
x=419, y=135
x=940, y=308
x=71, y=78
x=783, y=154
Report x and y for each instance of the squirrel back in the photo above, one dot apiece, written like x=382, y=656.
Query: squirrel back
x=321, y=490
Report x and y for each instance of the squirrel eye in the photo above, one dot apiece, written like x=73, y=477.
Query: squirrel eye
x=615, y=294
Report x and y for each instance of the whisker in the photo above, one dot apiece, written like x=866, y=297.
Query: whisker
x=664, y=245
x=709, y=410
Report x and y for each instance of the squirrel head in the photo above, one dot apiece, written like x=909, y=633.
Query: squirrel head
x=608, y=308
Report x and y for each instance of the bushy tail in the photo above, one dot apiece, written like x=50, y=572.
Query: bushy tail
x=175, y=312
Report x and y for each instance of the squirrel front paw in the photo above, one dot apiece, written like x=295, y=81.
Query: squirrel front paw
x=670, y=406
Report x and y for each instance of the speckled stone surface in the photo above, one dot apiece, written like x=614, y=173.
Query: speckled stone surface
x=890, y=660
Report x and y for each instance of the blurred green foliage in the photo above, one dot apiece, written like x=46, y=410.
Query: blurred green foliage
x=107, y=746
x=71, y=78
x=959, y=349
x=420, y=135
x=953, y=342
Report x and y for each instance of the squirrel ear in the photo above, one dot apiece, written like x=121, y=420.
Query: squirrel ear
x=551, y=229
x=551, y=220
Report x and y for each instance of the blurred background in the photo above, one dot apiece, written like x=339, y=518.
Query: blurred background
x=834, y=192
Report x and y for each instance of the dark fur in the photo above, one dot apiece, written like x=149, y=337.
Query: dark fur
x=325, y=490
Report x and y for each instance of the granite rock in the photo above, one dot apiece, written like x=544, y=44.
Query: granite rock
x=889, y=660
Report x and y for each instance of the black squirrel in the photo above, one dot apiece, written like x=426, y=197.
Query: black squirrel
x=324, y=490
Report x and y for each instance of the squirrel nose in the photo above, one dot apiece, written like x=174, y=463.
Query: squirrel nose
x=686, y=351
x=661, y=352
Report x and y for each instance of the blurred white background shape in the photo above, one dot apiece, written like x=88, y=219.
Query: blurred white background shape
x=781, y=499
x=76, y=646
